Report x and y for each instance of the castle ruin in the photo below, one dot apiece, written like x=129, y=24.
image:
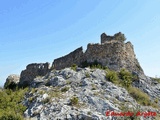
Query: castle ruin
x=32, y=71
x=112, y=52
x=116, y=37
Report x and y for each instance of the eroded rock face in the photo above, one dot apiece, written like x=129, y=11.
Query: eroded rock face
x=31, y=72
x=12, y=81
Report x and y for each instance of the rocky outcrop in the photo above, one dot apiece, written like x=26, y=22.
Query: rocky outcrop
x=12, y=81
x=65, y=93
x=51, y=96
x=32, y=71
x=112, y=52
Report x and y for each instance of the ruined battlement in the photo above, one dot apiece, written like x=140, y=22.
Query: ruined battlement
x=75, y=57
x=113, y=52
x=32, y=71
x=38, y=66
x=116, y=37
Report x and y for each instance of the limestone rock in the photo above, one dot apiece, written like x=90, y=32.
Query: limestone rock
x=95, y=96
x=12, y=81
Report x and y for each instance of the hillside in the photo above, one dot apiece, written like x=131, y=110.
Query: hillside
x=105, y=82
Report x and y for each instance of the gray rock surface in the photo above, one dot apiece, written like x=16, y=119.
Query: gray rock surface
x=12, y=81
x=50, y=97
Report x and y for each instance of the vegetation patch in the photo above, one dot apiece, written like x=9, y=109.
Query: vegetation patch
x=93, y=65
x=125, y=108
x=126, y=78
x=74, y=67
x=87, y=74
x=31, y=99
x=141, y=97
x=123, y=78
x=11, y=107
x=112, y=76
x=65, y=89
x=55, y=93
x=74, y=100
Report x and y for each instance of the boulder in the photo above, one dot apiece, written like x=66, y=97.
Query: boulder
x=12, y=81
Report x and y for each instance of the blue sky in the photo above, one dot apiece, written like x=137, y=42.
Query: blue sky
x=33, y=31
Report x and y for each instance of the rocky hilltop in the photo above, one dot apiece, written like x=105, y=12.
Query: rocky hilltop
x=85, y=85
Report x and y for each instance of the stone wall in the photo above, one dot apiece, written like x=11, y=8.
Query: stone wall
x=118, y=37
x=32, y=71
x=105, y=38
x=112, y=52
x=115, y=54
x=75, y=57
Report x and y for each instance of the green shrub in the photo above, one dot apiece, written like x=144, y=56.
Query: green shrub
x=11, y=107
x=126, y=78
x=87, y=74
x=65, y=89
x=10, y=115
x=112, y=76
x=31, y=99
x=74, y=100
x=92, y=65
x=74, y=67
x=141, y=97
x=132, y=110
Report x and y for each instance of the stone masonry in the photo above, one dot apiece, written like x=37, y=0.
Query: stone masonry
x=75, y=57
x=111, y=52
x=115, y=54
x=32, y=71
